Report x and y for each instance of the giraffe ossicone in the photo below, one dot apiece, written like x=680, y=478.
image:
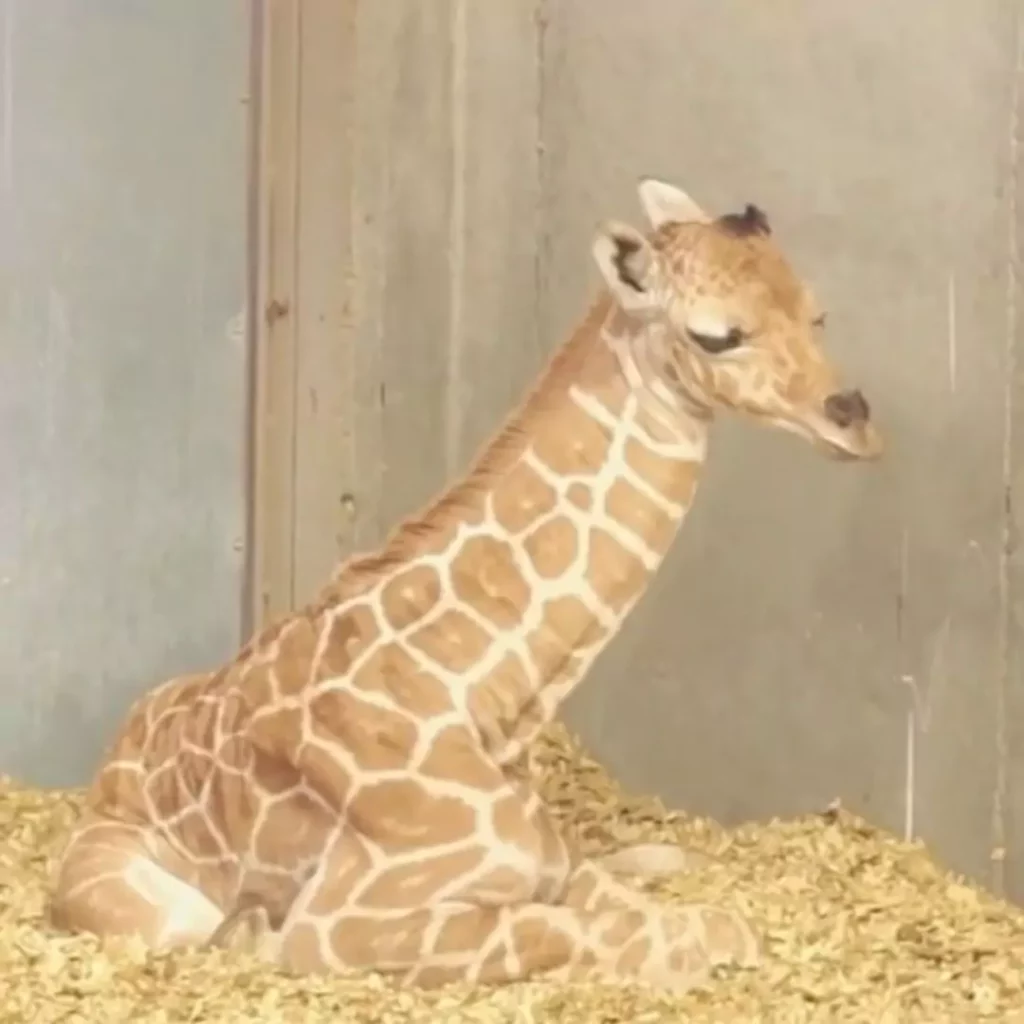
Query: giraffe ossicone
x=666, y=204
x=343, y=793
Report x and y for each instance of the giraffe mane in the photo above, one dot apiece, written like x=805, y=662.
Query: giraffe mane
x=487, y=467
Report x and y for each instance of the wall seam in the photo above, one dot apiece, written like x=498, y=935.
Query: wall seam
x=250, y=588
x=1007, y=541
x=541, y=257
x=455, y=377
x=296, y=305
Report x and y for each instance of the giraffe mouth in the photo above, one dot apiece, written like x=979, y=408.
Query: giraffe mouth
x=861, y=444
x=839, y=453
x=866, y=446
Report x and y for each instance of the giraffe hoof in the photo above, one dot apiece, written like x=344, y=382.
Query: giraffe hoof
x=654, y=860
x=242, y=931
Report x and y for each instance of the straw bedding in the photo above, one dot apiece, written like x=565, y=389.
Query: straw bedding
x=858, y=927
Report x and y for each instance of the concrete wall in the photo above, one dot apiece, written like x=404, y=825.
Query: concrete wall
x=824, y=631
x=821, y=630
x=122, y=353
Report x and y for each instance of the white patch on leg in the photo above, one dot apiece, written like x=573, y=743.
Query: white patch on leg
x=653, y=859
x=189, y=916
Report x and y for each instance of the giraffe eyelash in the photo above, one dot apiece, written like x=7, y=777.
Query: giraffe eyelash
x=716, y=343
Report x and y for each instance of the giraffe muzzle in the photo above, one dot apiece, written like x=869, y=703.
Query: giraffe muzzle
x=847, y=409
x=848, y=432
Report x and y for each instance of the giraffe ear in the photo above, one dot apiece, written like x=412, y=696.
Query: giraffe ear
x=627, y=264
x=664, y=203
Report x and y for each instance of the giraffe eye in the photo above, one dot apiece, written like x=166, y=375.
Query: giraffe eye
x=716, y=343
x=819, y=321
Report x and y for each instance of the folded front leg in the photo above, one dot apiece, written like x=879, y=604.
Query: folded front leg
x=600, y=930
x=719, y=935
x=452, y=942
x=437, y=885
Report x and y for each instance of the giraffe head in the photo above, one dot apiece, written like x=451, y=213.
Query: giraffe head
x=734, y=327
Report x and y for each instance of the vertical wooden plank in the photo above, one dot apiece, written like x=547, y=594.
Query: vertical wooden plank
x=375, y=229
x=444, y=239
x=378, y=25
x=323, y=316
x=275, y=337
x=495, y=350
x=415, y=226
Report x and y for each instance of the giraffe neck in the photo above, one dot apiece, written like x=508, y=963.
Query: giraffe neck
x=602, y=479
x=547, y=543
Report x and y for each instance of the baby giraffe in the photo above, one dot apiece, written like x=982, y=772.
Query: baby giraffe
x=343, y=790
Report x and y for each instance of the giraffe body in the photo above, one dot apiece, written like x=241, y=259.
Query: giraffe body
x=344, y=789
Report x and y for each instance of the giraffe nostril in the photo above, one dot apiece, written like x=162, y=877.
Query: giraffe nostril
x=846, y=408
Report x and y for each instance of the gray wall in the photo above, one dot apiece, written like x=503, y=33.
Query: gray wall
x=821, y=630
x=122, y=227
x=816, y=619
